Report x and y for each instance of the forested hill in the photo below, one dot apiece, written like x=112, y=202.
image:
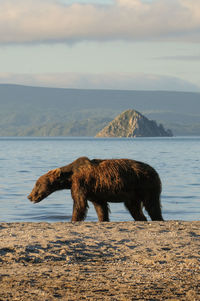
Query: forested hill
x=36, y=111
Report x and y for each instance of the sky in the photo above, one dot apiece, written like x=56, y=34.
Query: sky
x=107, y=44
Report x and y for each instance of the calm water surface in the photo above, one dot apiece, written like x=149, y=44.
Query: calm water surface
x=23, y=160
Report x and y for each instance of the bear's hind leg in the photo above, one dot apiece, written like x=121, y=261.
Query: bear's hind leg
x=154, y=209
x=102, y=210
x=135, y=209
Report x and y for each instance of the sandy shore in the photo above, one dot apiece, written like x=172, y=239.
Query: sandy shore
x=100, y=261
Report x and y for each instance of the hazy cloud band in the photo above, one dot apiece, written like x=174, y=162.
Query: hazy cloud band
x=115, y=81
x=36, y=21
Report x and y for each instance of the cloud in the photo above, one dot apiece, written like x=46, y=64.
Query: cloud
x=180, y=58
x=36, y=21
x=116, y=81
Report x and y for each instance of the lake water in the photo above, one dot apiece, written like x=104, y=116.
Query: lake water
x=23, y=160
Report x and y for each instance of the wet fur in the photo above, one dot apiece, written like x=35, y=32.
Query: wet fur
x=102, y=181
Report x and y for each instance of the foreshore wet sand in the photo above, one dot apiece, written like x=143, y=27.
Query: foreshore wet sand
x=100, y=261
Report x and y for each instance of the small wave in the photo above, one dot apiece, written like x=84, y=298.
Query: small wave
x=50, y=218
x=177, y=197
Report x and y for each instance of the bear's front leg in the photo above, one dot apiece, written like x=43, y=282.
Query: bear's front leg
x=80, y=205
x=79, y=211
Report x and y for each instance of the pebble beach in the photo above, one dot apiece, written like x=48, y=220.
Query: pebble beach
x=100, y=261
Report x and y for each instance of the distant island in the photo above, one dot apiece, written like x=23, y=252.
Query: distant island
x=51, y=112
x=133, y=124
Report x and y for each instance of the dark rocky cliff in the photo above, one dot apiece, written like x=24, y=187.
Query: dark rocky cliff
x=133, y=124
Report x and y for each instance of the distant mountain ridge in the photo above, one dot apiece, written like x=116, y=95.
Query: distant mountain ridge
x=133, y=124
x=36, y=111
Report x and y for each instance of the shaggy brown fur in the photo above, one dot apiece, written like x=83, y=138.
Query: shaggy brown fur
x=102, y=181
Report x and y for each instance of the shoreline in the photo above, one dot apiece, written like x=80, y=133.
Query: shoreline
x=100, y=261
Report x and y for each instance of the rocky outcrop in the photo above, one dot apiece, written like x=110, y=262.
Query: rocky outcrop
x=133, y=124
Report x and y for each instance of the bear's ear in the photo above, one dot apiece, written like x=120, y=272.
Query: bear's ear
x=54, y=174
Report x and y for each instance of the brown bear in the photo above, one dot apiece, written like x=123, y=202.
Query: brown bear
x=101, y=181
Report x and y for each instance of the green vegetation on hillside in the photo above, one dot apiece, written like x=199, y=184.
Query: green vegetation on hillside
x=88, y=127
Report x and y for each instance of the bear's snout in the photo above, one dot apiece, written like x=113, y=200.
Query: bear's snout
x=29, y=197
x=33, y=200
